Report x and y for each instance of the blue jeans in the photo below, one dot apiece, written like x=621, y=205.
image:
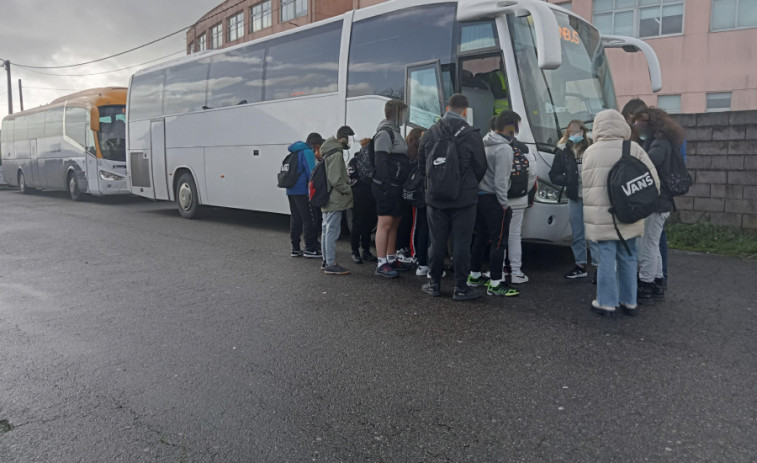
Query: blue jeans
x=331, y=228
x=616, y=276
x=579, y=238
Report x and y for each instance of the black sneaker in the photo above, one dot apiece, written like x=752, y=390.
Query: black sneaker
x=466, y=294
x=602, y=309
x=658, y=291
x=576, y=272
x=356, y=258
x=296, y=252
x=644, y=292
x=630, y=310
x=314, y=254
x=368, y=257
x=401, y=266
x=387, y=271
x=432, y=289
x=323, y=265
x=335, y=269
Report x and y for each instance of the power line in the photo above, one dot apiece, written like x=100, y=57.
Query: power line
x=26, y=66
x=104, y=72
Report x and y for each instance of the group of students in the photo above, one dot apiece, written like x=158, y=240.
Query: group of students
x=482, y=216
x=631, y=258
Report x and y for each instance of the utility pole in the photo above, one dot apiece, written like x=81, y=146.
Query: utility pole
x=7, y=65
x=20, y=95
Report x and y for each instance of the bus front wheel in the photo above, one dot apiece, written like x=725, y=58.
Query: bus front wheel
x=73, y=187
x=186, y=196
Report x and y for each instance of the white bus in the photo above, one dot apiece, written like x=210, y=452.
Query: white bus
x=212, y=128
x=76, y=143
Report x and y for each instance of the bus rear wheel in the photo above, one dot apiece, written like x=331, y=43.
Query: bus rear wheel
x=186, y=196
x=73, y=187
x=22, y=187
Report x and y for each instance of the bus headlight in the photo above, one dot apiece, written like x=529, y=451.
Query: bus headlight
x=110, y=176
x=550, y=194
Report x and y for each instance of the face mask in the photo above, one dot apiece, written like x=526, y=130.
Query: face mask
x=509, y=138
x=578, y=138
x=350, y=141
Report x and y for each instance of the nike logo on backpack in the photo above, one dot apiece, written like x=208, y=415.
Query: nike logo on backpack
x=439, y=161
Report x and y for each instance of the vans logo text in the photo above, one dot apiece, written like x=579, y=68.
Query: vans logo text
x=638, y=184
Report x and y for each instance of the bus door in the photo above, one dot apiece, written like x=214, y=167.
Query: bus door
x=424, y=94
x=36, y=181
x=93, y=173
x=482, y=80
x=158, y=164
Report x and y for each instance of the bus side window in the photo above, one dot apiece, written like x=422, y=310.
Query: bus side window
x=76, y=125
x=185, y=88
x=146, y=96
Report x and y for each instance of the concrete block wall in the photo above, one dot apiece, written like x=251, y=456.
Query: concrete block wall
x=721, y=153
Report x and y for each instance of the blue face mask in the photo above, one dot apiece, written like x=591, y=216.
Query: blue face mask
x=578, y=138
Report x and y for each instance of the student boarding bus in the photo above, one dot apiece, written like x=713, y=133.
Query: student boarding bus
x=212, y=128
x=76, y=143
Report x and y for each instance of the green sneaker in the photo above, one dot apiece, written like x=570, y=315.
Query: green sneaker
x=501, y=289
x=477, y=281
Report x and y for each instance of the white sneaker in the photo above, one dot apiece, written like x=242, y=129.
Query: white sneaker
x=444, y=274
x=518, y=278
x=422, y=270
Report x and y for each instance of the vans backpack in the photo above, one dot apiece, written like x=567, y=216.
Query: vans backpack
x=319, y=190
x=366, y=158
x=444, y=179
x=289, y=172
x=519, y=175
x=632, y=191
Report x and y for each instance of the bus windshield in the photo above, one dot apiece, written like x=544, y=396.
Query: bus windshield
x=112, y=134
x=579, y=89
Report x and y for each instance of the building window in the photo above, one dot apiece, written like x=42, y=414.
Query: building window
x=191, y=48
x=202, y=43
x=733, y=14
x=670, y=103
x=639, y=18
x=236, y=27
x=291, y=9
x=216, y=36
x=261, y=16
x=718, y=102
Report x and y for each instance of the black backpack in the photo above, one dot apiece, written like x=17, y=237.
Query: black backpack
x=678, y=181
x=319, y=190
x=632, y=191
x=413, y=188
x=366, y=158
x=289, y=172
x=444, y=180
x=519, y=186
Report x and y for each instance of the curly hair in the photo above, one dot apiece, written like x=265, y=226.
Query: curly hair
x=661, y=124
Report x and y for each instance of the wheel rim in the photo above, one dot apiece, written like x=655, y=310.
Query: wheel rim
x=72, y=185
x=21, y=182
x=185, y=196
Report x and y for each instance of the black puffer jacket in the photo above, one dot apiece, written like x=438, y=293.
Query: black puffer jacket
x=564, y=171
x=659, y=151
x=472, y=158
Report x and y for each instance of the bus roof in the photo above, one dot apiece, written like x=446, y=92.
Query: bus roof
x=102, y=96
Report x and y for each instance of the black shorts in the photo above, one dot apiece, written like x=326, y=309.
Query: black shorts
x=388, y=199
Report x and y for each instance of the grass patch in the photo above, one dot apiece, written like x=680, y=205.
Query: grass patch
x=705, y=237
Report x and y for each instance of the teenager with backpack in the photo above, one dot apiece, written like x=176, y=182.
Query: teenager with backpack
x=339, y=198
x=455, y=162
x=302, y=220
x=493, y=213
x=520, y=194
x=414, y=194
x=391, y=168
x=616, y=276
x=662, y=138
x=566, y=173
x=363, y=212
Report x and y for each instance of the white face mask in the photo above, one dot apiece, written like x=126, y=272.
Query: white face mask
x=350, y=141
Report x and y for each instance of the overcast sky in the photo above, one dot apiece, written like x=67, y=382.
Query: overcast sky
x=46, y=33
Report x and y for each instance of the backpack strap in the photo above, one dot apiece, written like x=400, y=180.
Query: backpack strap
x=626, y=152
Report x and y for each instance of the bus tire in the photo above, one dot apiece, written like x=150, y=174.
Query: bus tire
x=73, y=187
x=22, y=187
x=187, y=200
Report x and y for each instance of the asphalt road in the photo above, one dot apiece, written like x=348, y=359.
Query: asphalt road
x=130, y=334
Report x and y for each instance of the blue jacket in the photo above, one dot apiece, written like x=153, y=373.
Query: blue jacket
x=305, y=164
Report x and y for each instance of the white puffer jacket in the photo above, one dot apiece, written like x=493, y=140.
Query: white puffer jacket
x=610, y=129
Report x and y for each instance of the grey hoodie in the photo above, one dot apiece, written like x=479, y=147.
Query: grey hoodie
x=499, y=159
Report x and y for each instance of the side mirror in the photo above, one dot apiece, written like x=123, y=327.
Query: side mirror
x=94, y=119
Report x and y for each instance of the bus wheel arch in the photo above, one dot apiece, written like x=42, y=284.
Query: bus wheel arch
x=185, y=192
